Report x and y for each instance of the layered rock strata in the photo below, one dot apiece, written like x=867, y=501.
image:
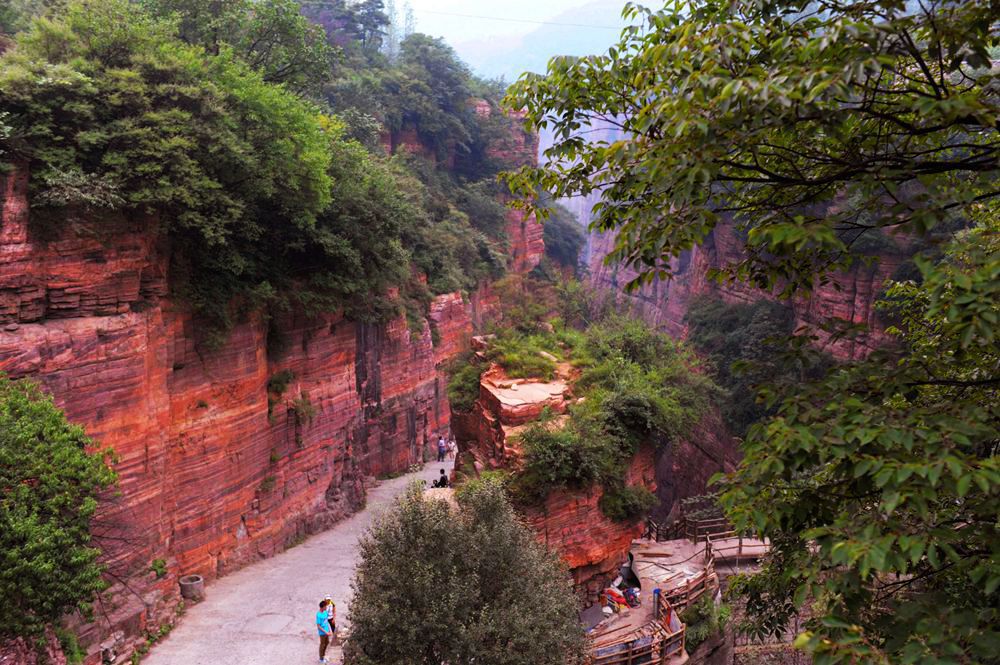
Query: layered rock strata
x=569, y=522
x=219, y=463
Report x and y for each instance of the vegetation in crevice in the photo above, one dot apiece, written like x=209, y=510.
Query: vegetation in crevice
x=744, y=346
x=464, y=374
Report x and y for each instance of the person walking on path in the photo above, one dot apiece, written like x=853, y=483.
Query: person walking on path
x=323, y=626
x=442, y=448
x=452, y=448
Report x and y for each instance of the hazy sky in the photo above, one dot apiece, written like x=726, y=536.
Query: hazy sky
x=505, y=37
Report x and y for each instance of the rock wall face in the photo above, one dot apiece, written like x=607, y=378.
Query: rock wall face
x=593, y=546
x=850, y=296
x=518, y=147
x=215, y=470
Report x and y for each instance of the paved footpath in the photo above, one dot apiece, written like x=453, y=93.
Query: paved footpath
x=264, y=614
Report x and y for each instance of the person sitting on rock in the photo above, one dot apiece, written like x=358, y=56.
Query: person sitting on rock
x=442, y=480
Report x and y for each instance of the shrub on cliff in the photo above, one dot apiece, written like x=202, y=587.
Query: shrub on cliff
x=638, y=387
x=464, y=375
x=626, y=503
x=49, y=486
x=439, y=584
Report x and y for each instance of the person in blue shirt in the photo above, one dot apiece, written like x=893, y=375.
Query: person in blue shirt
x=323, y=626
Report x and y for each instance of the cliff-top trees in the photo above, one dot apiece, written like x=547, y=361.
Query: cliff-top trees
x=49, y=485
x=440, y=584
x=813, y=126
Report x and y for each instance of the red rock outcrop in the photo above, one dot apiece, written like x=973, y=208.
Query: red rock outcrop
x=568, y=522
x=593, y=546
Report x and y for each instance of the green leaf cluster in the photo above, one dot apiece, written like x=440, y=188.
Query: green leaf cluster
x=880, y=484
x=49, y=489
x=702, y=620
x=746, y=347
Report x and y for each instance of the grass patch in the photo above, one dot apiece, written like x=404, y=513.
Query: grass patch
x=521, y=355
x=158, y=566
x=70, y=646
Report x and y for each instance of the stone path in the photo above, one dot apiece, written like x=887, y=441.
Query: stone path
x=264, y=614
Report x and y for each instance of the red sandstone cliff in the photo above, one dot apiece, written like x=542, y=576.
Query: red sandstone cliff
x=850, y=296
x=211, y=476
x=214, y=471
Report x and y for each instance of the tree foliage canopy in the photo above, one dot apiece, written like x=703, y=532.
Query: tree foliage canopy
x=49, y=486
x=187, y=117
x=814, y=126
x=713, y=99
x=469, y=584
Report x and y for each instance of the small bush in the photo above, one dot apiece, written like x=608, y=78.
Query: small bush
x=303, y=408
x=703, y=619
x=278, y=383
x=463, y=382
x=474, y=485
x=627, y=504
x=560, y=458
x=159, y=566
x=268, y=484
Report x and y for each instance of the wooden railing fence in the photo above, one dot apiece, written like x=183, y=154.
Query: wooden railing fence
x=661, y=639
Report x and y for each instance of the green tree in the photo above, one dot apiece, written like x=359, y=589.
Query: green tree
x=272, y=36
x=49, y=486
x=880, y=485
x=264, y=200
x=811, y=126
x=466, y=584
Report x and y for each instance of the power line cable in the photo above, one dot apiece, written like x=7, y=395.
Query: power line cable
x=518, y=20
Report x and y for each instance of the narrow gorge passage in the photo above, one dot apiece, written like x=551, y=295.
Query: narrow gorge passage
x=263, y=614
